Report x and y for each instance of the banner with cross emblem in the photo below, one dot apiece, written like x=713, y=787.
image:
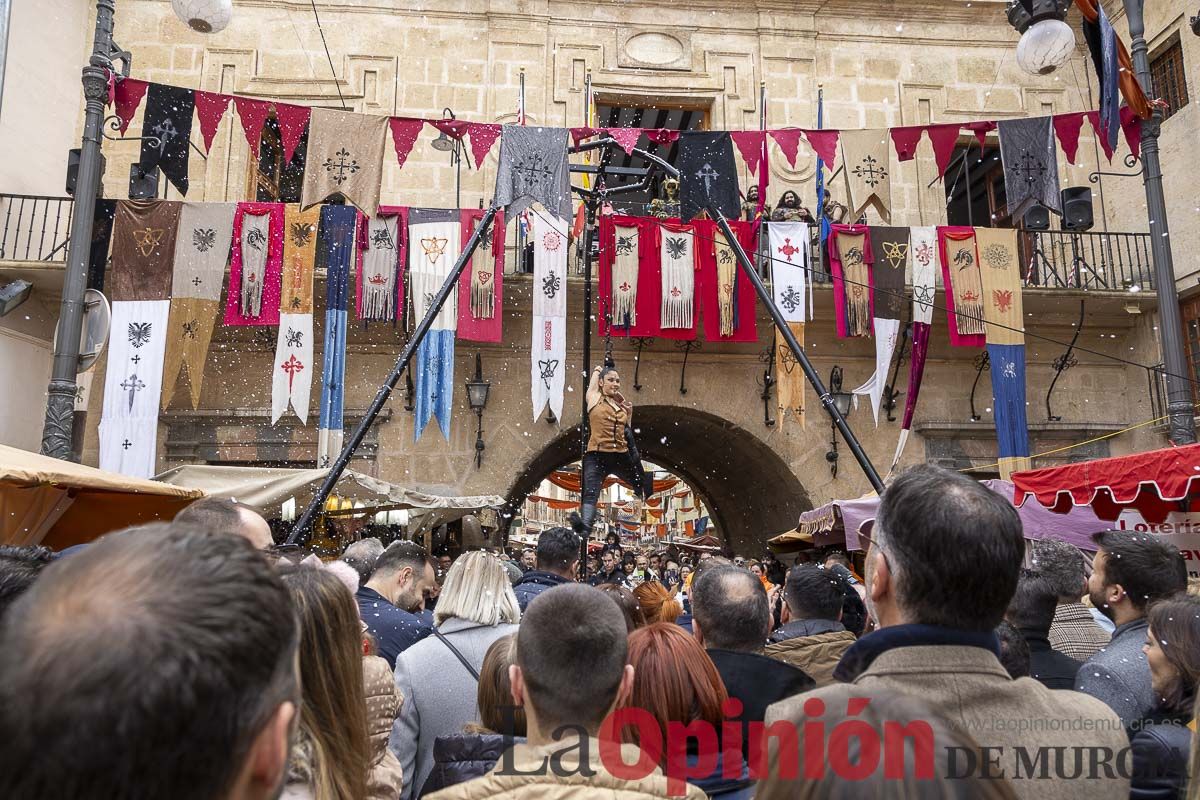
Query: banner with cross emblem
x=625, y=260
x=345, y=156
x=166, y=133
x=707, y=174
x=677, y=256
x=533, y=169
x=132, y=386
x=866, y=159
x=292, y=372
x=792, y=293
x=1030, y=164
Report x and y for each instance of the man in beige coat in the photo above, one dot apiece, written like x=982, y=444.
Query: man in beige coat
x=944, y=558
x=572, y=670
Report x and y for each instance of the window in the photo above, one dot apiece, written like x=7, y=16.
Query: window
x=974, y=184
x=1167, y=76
x=275, y=181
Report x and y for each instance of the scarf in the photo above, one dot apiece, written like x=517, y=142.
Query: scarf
x=339, y=228
x=168, y=119
x=133, y=385
x=548, y=350
x=256, y=264
x=866, y=159
x=923, y=250
x=625, y=260
x=143, y=249
x=481, y=289
x=291, y=378
x=345, y=156
x=850, y=257
x=964, y=289
x=678, y=277
x=862, y=654
x=379, y=270
x=891, y=249
x=533, y=168
x=435, y=243
x=1030, y=164
x=707, y=174
x=792, y=294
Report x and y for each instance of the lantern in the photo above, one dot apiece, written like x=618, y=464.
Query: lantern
x=204, y=16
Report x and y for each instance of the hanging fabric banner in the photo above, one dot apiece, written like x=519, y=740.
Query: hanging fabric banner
x=103, y=217
x=143, y=248
x=678, y=259
x=850, y=257
x=964, y=288
x=255, y=265
x=345, y=156
x=645, y=260
x=399, y=298
x=865, y=158
x=253, y=115
x=549, y=344
x=339, y=228
x=1008, y=391
x=127, y=95
x=481, y=288
x=168, y=119
x=1030, y=164
x=726, y=283
x=726, y=297
x=891, y=249
x=533, y=168
x=293, y=121
x=379, y=276
x=293, y=370
x=792, y=294
x=210, y=109
x=625, y=263
x=201, y=253
x=435, y=239
x=707, y=174
x=923, y=251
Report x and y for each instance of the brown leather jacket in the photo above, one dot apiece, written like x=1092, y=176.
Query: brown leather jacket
x=607, y=426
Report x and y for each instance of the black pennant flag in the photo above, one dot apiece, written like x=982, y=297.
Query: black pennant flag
x=707, y=174
x=168, y=120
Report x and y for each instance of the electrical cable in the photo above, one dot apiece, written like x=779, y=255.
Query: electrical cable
x=328, y=57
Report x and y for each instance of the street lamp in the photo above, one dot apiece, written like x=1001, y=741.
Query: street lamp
x=446, y=144
x=477, y=397
x=843, y=401
x=1047, y=41
x=204, y=16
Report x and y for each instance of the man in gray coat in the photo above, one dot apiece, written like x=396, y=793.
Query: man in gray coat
x=1129, y=572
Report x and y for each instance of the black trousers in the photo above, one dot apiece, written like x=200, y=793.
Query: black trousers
x=597, y=466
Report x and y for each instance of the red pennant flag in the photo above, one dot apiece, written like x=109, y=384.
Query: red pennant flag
x=824, y=143
x=943, y=138
x=661, y=135
x=1066, y=128
x=210, y=109
x=404, y=134
x=981, y=130
x=127, y=96
x=1131, y=124
x=579, y=134
x=292, y=122
x=253, y=114
x=627, y=138
x=454, y=128
x=483, y=136
x=906, y=140
x=750, y=145
x=788, y=140
x=1094, y=118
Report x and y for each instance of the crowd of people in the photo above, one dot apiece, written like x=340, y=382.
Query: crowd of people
x=953, y=659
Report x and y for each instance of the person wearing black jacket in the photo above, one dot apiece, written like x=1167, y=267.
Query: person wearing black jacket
x=610, y=571
x=557, y=562
x=1031, y=611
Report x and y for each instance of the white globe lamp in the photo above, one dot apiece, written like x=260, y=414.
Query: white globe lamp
x=1047, y=41
x=204, y=16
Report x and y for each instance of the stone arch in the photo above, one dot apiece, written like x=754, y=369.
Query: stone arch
x=750, y=491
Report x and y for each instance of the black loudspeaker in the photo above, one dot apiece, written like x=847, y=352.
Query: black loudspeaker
x=1077, y=208
x=73, y=172
x=1037, y=218
x=142, y=185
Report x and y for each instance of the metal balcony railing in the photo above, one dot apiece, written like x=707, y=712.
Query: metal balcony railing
x=35, y=228
x=1092, y=260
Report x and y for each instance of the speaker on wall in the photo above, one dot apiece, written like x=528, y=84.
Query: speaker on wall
x=1077, y=208
x=1037, y=218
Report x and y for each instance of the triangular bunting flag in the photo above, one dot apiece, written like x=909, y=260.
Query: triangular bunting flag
x=906, y=140
x=788, y=140
x=454, y=128
x=127, y=96
x=981, y=129
x=627, y=138
x=824, y=144
x=253, y=114
x=404, y=135
x=292, y=122
x=579, y=134
x=750, y=146
x=483, y=136
x=210, y=109
x=661, y=135
x=1131, y=125
x=1066, y=128
x=1094, y=118
x=944, y=138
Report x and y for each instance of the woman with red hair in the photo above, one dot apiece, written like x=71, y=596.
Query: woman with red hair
x=657, y=603
x=676, y=683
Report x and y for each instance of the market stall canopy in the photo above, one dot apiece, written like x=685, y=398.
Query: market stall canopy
x=58, y=503
x=838, y=523
x=1153, y=484
x=705, y=541
x=267, y=489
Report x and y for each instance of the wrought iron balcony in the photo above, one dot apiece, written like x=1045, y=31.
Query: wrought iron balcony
x=1094, y=261
x=35, y=228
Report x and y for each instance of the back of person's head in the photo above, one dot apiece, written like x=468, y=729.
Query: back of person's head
x=1033, y=603
x=363, y=555
x=1014, y=650
x=729, y=604
x=1145, y=566
x=1175, y=626
x=812, y=593
x=333, y=716
x=675, y=680
x=152, y=642
x=19, y=568
x=953, y=547
x=1062, y=564
x=477, y=589
x=572, y=649
x=228, y=516
x=837, y=557
x=631, y=609
x=558, y=550
x=657, y=604
x=712, y=562
x=497, y=714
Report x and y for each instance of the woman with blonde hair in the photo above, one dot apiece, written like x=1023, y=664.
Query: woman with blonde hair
x=331, y=754
x=439, y=675
x=656, y=602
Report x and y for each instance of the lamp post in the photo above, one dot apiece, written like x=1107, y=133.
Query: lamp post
x=446, y=144
x=842, y=400
x=477, y=397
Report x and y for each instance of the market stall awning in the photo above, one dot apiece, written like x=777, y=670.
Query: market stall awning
x=59, y=503
x=1153, y=484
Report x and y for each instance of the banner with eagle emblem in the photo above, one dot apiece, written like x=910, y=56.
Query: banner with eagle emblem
x=850, y=259
x=292, y=372
x=678, y=259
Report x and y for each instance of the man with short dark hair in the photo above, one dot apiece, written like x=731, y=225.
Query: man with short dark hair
x=1074, y=632
x=228, y=516
x=159, y=661
x=610, y=571
x=731, y=618
x=19, y=568
x=1129, y=572
x=812, y=636
x=943, y=561
x=388, y=603
x=1031, y=611
x=363, y=555
x=557, y=561
x=571, y=672
x=528, y=559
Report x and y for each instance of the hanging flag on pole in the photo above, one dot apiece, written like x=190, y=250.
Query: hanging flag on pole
x=821, y=169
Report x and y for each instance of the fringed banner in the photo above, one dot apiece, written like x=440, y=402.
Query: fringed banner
x=255, y=268
x=678, y=259
x=481, y=288
x=850, y=257
x=625, y=264
x=726, y=298
x=964, y=288
x=379, y=270
x=292, y=375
